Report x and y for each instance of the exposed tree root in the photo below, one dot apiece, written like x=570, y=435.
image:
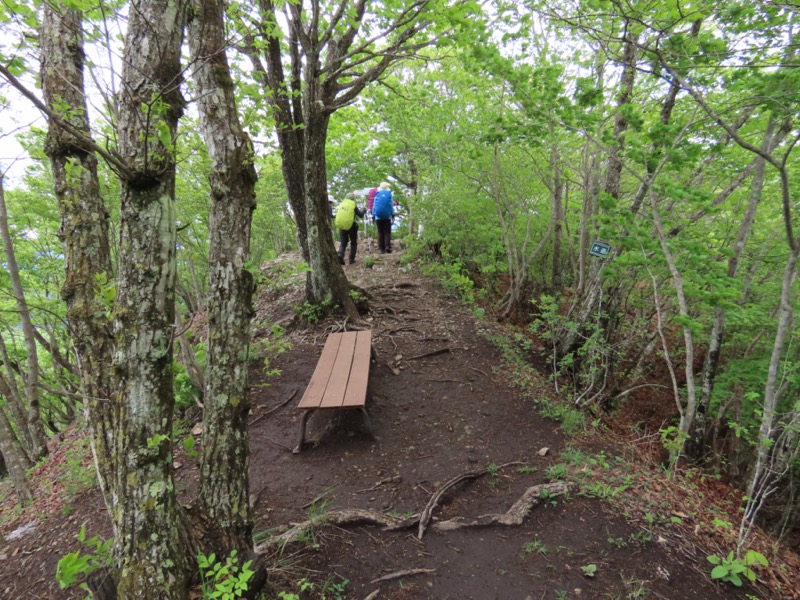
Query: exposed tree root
x=427, y=513
x=341, y=518
x=355, y=516
x=514, y=515
x=399, y=329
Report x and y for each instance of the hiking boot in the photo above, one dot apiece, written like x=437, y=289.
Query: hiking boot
x=341, y=260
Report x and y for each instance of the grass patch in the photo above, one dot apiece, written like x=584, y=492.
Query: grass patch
x=530, y=382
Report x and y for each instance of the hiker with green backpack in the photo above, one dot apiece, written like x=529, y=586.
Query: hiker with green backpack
x=345, y=221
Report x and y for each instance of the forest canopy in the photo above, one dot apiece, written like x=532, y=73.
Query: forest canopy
x=187, y=142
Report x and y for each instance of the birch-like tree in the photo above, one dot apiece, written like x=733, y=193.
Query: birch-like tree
x=314, y=58
x=125, y=320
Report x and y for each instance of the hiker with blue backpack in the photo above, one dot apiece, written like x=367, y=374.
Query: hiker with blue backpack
x=383, y=213
x=345, y=221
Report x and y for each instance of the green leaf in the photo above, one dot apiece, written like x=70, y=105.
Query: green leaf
x=755, y=558
x=164, y=135
x=719, y=572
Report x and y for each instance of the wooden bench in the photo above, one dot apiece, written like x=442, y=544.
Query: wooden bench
x=340, y=379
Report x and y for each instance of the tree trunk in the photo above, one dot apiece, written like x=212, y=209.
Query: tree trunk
x=302, y=106
x=688, y=413
x=327, y=280
x=557, y=195
x=614, y=173
x=224, y=471
x=14, y=402
x=151, y=544
x=288, y=115
x=33, y=421
x=761, y=471
x=15, y=459
x=588, y=208
x=593, y=291
x=711, y=361
x=194, y=372
x=84, y=229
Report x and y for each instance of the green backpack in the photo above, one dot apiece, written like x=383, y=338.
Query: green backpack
x=345, y=214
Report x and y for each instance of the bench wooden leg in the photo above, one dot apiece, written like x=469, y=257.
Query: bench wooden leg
x=367, y=422
x=303, y=421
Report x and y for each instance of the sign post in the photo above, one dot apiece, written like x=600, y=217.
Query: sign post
x=600, y=249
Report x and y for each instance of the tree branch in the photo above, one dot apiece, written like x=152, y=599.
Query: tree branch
x=86, y=143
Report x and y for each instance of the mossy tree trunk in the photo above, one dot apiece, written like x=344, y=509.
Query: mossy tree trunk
x=327, y=282
x=224, y=483
x=124, y=334
x=126, y=365
x=84, y=225
x=150, y=541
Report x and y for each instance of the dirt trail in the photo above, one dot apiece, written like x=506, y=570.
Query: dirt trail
x=435, y=416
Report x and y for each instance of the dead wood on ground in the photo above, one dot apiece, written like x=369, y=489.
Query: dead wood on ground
x=272, y=410
x=399, y=574
x=433, y=353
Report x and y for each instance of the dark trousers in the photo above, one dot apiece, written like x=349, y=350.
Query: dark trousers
x=350, y=235
x=384, y=234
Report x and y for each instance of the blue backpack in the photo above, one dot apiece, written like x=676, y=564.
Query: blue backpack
x=383, y=207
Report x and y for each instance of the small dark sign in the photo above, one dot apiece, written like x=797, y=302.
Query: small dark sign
x=600, y=249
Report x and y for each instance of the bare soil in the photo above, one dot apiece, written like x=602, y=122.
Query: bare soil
x=441, y=405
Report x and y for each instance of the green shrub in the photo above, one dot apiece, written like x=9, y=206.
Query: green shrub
x=75, y=567
x=732, y=568
x=223, y=581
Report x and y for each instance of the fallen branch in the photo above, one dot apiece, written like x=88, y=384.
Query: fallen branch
x=395, y=479
x=373, y=595
x=272, y=410
x=434, y=353
x=399, y=574
x=401, y=329
x=516, y=514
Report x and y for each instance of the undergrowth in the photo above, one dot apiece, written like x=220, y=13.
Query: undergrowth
x=663, y=503
x=524, y=376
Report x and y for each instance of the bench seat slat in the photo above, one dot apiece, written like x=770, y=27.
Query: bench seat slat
x=319, y=380
x=359, y=376
x=337, y=383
